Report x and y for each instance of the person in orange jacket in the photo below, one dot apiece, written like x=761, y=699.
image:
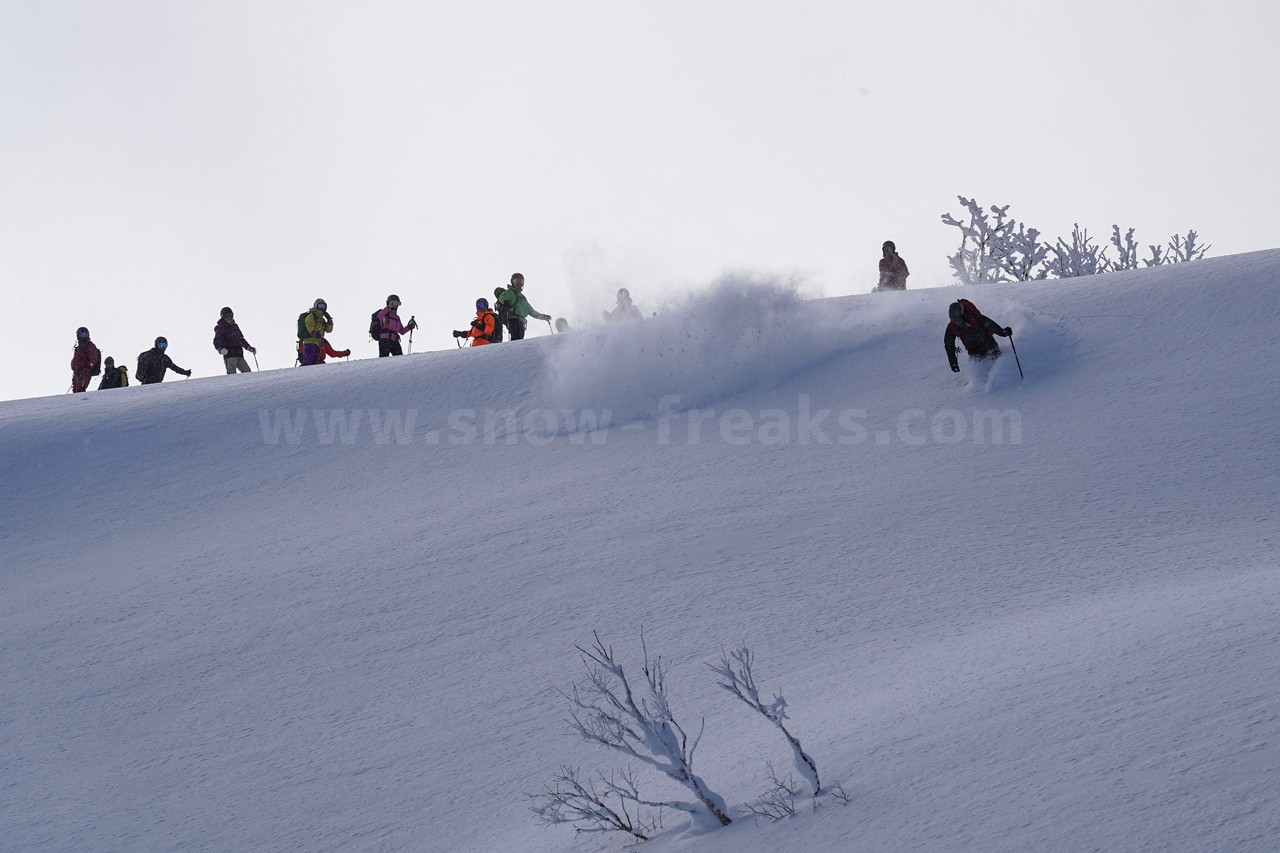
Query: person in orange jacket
x=484, y=328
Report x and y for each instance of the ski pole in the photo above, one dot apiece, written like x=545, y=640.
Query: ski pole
x=412, y=326
x=1015, y=356
x=255, y=362
x=551, y=327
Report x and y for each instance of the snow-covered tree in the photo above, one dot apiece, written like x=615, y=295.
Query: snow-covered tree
x=1126, y=249
x=736, y=676
x=1080, y=257
x=636, y=720
x=982, y=242
x=1187, y=248
x=997, y=248
x=634, y=717
x=1025, y=256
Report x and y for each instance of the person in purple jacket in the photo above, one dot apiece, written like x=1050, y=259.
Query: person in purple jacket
x=230, y=343
x=390, y=328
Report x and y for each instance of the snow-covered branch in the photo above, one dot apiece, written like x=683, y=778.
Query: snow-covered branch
x=606, y=710
x=735, y=671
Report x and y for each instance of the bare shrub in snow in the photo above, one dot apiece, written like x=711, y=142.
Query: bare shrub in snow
x=735, y=671
x=779, y=801
x=571, y=799
x=636, y=720
x=634, y=717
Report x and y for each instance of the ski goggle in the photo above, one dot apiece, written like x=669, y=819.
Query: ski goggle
x=162, y=344
x=82, y=335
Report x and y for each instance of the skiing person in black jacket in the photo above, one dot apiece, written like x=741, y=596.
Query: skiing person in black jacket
x=975, y=330
x=153, y=363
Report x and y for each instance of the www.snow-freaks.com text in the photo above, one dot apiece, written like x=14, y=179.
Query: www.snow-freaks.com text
x=669, y=424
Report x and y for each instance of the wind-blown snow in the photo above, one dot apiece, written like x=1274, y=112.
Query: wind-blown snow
x=330, y=608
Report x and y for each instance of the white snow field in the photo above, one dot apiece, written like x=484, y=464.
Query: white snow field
x=332, y=608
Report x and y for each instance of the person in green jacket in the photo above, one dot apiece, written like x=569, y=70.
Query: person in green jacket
x=318, y=323
x=515, y=308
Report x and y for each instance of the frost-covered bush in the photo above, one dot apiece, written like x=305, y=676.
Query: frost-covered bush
x=997, y=248
x=633, y=716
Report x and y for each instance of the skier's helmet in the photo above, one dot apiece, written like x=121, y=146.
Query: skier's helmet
x=393, y=298
x=956, y=312
x=161, y=342
x=226, y=312
x=888, y=244
x=482, y=304
x=82, y=333
x=321, y=304
x=517, y=279
x=623, y=293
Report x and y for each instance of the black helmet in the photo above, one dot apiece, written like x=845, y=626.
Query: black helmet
x=888, y=244
x=482, y=304
x=109, y=362
x=321, y=304
x=226, y=312
x=956, y=312
x=517, y=275
x=392, y=298
x=161, y=342
x=82, y=332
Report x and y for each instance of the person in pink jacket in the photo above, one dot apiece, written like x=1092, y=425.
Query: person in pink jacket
x=390, y=328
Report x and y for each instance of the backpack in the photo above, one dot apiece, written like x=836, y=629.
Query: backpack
x=302, y=326
x=114, y=377
x=375, y=325
x=974, y=318
x=494, y=337
x=151, y=367
x=971, y=312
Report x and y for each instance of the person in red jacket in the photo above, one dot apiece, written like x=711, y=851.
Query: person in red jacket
x=893, y=269
x=390, y=328
x=86, y=361
x=484, y=328
x=325, y=350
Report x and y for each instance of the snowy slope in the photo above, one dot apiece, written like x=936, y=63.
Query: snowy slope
x=1006, y=615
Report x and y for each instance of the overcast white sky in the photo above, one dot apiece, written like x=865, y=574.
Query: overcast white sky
x=159, y=160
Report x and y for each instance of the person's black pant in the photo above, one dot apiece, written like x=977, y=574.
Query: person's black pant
x=516, y=327
x=388, y=347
